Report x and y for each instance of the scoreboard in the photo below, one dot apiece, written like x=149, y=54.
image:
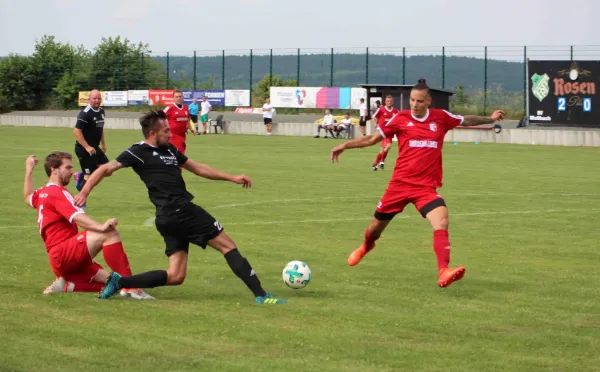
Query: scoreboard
x=564, y=93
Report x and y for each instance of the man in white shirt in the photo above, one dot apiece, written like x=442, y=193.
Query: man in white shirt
x=328, y=122
x=344, y=125
x=268, y=115
x=205, y=108
x=364, y=111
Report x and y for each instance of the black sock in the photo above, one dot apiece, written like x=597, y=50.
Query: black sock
x=149, y=279
x=240, y=267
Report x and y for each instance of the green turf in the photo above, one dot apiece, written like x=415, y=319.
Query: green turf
x=524, y=221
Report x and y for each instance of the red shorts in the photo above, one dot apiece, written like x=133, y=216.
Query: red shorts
x=178, y=141
x=385, y=142
x=399, y=194
x=71, y=259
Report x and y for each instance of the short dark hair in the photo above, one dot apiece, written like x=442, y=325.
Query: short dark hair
x=422, y=85
x=149, y=121
x=362, y=99
x=176, y=91
x=54, y=160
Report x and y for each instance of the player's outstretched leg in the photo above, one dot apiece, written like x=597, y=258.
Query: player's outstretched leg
x=377, y=160
x=438, y=218
x=372, y=233
x=242, y=269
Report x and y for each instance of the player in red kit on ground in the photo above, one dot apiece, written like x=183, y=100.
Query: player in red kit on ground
x=178, y=115
x=382, y=116
x=417, y=174
x=70, y=252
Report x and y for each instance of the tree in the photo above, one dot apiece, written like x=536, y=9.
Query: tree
x=263, y=89
x=121, y=65
x=461, y=98
x=18, y=80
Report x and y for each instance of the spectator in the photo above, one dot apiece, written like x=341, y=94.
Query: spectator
x=327, y=124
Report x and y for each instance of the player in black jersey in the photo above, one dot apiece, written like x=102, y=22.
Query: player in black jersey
x=178, y=220
x=90, y=146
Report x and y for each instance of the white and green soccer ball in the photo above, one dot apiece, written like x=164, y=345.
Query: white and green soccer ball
x=296, y=274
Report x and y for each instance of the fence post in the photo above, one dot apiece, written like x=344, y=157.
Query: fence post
x=571, y=52
x=168, y=72
x=194, y=70
x=443, y=67
x=251, y=61
x=270, y=68
x=143, y=72
x=298, y=69
x=118, y=71
x=403, y=65
x=331, y=70
x=525, y=80
x=223, y=70
x=485, y=82
x=367, y=67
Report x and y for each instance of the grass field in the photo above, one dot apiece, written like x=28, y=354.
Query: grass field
x=524, y=221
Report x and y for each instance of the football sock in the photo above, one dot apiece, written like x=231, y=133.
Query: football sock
x=383, y=156
x=149, y=279
x=86, y=287
x=241, y=267
x=441, y=247
x=377, y=159
x=116, y=258
x=370, y=239
x=80, y=184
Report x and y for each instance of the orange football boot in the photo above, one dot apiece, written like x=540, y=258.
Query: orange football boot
x=357, y=255
x=448, y=276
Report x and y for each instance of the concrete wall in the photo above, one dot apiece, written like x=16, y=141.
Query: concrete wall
x=514, y=136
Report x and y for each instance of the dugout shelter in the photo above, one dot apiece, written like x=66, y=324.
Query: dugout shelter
x=440, y=98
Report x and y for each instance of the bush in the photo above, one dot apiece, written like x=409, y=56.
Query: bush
x=4, y=105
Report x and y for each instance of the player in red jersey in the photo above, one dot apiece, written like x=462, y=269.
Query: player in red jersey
x=71, y=252
x=178, y=115
x=382, y=116
x=417, y=174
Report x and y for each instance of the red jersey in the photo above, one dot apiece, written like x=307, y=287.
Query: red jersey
x=385, y=114
x=420, y=142
x=56, y=210
x=179, y=118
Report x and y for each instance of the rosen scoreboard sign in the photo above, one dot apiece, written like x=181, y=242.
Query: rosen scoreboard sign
x=564, y=93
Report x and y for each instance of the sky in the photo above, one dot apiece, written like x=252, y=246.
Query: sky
x=181, y=26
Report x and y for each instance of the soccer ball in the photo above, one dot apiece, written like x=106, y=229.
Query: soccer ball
x=296, y=274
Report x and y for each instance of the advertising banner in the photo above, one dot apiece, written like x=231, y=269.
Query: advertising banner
x=160, y=97
x=248, y=110
x=317, y=97
x=137, y=97
x=564, y=93
x=215, y=97
x=114, y=99
x=235, y=98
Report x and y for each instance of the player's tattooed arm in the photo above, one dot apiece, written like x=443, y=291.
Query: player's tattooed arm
x=472, y=120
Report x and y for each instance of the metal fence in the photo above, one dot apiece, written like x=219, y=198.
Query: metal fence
x=487, y=73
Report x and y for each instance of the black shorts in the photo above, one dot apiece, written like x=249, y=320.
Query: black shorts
x=194, y=118
x=267, y=120
x=190, y=224
x=362, y=122
x=89, y=163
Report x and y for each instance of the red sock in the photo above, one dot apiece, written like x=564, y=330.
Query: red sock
x=370, y=240
x=377, y=159
x=87, y=287
x=441, y=247
x=116, y=258
x=384, y=155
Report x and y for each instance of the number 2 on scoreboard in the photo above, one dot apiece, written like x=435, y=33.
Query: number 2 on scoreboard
x=562, y=104
x=587, y=105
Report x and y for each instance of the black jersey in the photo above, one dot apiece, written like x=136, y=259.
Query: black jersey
x=158, y=168
x=91, y=123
